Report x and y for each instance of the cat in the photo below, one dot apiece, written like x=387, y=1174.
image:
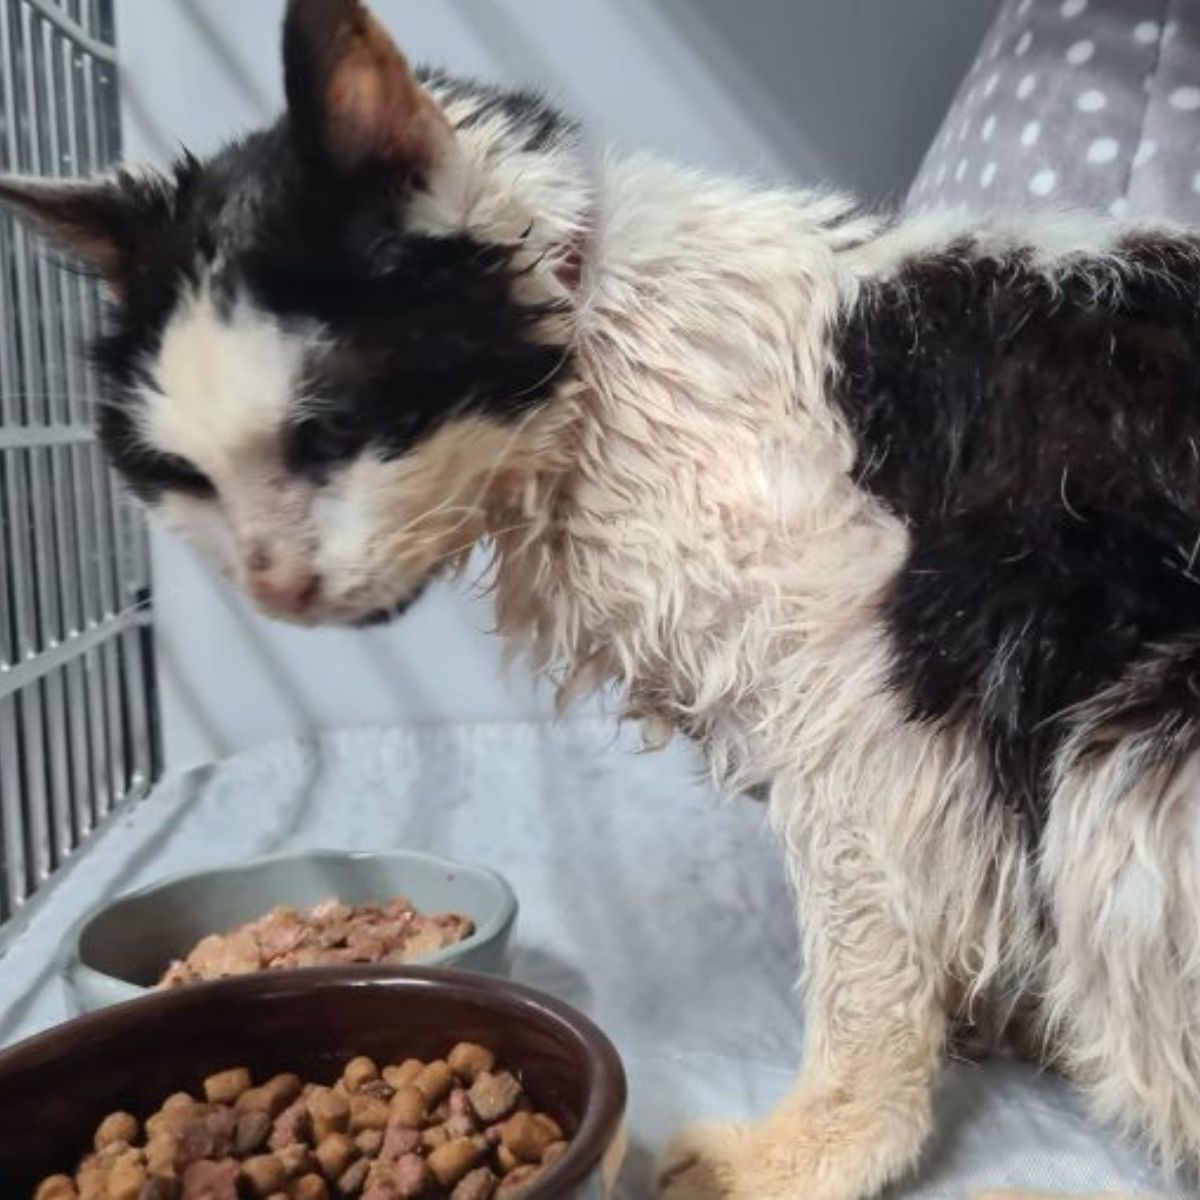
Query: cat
x=896, y=519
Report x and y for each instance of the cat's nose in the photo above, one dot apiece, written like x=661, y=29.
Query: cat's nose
x=282, y=588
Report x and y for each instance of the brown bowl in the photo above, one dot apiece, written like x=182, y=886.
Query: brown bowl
x=57, y=1087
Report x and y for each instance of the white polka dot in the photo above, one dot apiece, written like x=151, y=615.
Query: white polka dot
x=1024, y=7
x=1103, y=150
x=1196, y=182
x=1146, y=32
x=1170, y=29
x=1147, y=149
x=1079, y=52
x=1072, y=8
x=1042, y=184
x=989, y=127
x=960, y=171
x=941, y=175
x=963, y=130
x=1031, y=133
x=1026, y=86
x=987, y=175
x=1119, y=208
x=992, y=81
x=1023, y=43
x=1186, y=98
x=1092, y=100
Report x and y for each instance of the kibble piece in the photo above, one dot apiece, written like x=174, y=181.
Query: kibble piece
x=404, y=1074
x=508, y=1161
x=127, y=1178
x=354, y=1178
x=553, y=1153
x=367, y=1112
x=296, y=1159
x=526, y=1137
x=468, y=1061
x=359, y=1071
x=116, y=1127
x=209, y=1180
x=159, y=1188
x=57, y=1187
x=291, y=1126
x=449, y=1163
x=330, y=1113
x=434, y=1137
x=162, y=1153
x=434, y=1081
x=334, y=1154
x=518, y=1181
x=369, y=1142
x=264, y=1174
x=410, y=1177
x=309, y=1187
x=250, y=1133
x=479, y=1184
x=494, y=1096
x=226, y=1086
x=206, y=1133
x=408, y=1108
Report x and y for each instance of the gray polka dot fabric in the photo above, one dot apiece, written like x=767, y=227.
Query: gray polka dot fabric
x=1076, y=103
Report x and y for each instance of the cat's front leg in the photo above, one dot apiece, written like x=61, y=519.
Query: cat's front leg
x=876, y=1023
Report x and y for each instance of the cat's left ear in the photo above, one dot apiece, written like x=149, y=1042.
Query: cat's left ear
x=353, y=100
x=95, y=223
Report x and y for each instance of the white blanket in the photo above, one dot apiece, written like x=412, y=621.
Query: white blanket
x=645, y=902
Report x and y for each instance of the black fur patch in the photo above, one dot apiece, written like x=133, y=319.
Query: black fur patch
x=418, y=328
x=1041, y=439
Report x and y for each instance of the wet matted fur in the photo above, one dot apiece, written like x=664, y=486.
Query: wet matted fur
x=899, y=521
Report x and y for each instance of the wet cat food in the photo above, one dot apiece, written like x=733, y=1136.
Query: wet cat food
x=329, y=934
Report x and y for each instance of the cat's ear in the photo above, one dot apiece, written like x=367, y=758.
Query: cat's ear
x=92, y=222
x=353, y=100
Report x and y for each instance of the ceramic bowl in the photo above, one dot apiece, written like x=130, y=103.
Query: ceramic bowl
x=120, y=948
x=57, y=1087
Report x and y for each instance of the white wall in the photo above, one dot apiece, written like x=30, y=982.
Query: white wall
x=847, y=91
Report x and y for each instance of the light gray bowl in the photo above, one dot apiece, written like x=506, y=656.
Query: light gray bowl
x=119, y=949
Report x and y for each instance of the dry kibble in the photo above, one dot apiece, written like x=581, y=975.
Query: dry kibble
x=335, y=1154
x=158, y=1187
x=251, y=1132
x=57, y=1187
x=458, y=1128
x=434, y=1081
x=449, y=1163
x=404, y=1074
x=553, y=1153
x=518, y=1181
x=309, y=1187
x=479, y=1184
x=359, y=1071
x=367, y=1112
x=526, y=1137
x=265, y=1174
x=494, y=1096
x=330, y=1113
x=468, y=1061
x=408, y=1108
x=369, y=1142
x=296, y=1159
x=226, y=1086
x=126, y=1179
x=354, y=1178
x=116, y=1127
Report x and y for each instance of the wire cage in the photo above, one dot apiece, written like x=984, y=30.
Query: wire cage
x=78, y=728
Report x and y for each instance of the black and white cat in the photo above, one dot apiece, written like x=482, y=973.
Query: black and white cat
x=899, y=521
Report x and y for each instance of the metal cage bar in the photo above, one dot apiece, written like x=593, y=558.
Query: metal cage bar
x=78, y=722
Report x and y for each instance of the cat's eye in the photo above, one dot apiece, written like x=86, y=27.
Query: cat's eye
x=172, y=472
x=325, y=437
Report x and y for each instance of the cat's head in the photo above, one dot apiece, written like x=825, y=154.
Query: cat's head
x=326, y=340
